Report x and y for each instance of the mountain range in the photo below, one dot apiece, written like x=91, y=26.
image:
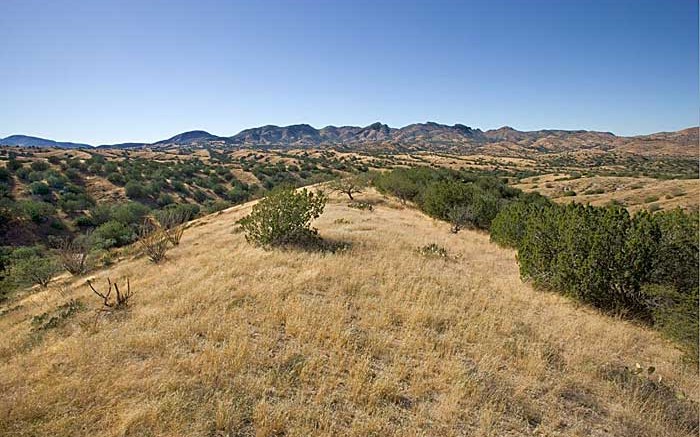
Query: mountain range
x=429, y=136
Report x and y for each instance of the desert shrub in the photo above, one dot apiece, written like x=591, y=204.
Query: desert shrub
x=113, y=302
x=199, y=196
x=39, y=189
x=284, y=218
x=116, y=178
x=13, y=165
x=398, y=183
x=644, y=266
x=238, y=194
x=508, y=227
x=36, y=211
x=675, y=314
x=363, y=206
x=153, y=240
x=31, y=266
x=72, y=202
x=433, y=251
x=39, y=166
x=135, y=190
x=165, y=199
x=676, y=253
x=73, y=254
x=172, y=222
x=213, y=206
x=113, y=233
x=129, y=213
x=57, y=317
x=464, y=199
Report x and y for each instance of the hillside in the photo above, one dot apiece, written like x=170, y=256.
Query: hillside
x=57, y=192
x=635, y=193
x=225, y=339
x=27, y=141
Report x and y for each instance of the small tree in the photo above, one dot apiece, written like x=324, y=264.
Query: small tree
x=284, y=218
x=30, y=267
x=349, y=186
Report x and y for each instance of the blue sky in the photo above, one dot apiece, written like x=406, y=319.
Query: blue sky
x=117, y=71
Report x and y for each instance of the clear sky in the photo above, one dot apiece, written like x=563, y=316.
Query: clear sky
x=135, y=70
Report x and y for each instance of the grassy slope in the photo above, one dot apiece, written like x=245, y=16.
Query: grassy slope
x=225, y=339
x=634, y=192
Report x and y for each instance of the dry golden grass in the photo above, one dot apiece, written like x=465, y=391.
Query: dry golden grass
x=225, y=339
x=635, y=193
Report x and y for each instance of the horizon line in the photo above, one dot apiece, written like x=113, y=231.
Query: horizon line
x=39, y=136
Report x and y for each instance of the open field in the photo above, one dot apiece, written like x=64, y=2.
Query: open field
x=224, y=339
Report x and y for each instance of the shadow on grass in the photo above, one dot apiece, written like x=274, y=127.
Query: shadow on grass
x=311, y=243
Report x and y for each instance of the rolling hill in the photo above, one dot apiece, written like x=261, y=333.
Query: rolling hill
x=27, y=141
x=225, y=339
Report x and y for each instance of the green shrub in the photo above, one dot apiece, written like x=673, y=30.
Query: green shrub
x=113, y=233
x=39, y=189
x=237, y=194
x=116, y=179
x=36, y=211
x=135, y=190
x=129, y=213
x=13, y=165
x=644, y=266
x=398, y=183
x=39, y=165
x=213, y=206
x=675, y=314
x=284, y=218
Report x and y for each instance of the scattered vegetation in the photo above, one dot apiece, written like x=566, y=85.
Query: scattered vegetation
x=57, y=317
